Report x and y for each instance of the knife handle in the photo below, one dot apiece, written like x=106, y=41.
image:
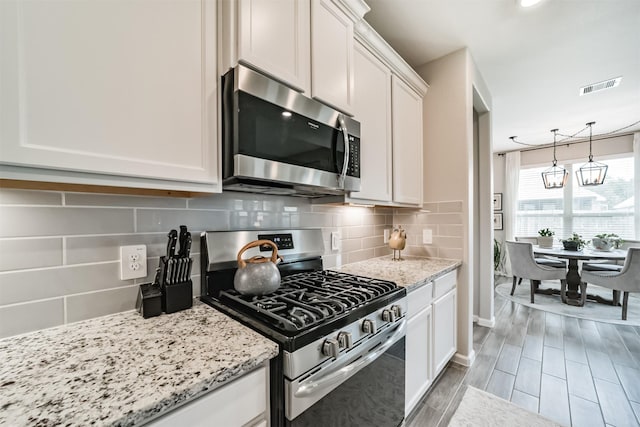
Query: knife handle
x=171, y=243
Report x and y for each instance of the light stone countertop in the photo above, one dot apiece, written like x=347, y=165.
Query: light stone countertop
x=411, y=272
x=122, y=369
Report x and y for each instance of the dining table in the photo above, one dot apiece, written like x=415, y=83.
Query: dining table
x=573, y=275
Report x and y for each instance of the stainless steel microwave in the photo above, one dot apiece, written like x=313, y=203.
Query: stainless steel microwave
x=277, y=141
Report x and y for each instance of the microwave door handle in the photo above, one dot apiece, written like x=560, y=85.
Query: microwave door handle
x=345, y=163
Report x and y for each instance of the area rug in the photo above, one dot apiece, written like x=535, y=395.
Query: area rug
x=591, y=310
x=479, y=408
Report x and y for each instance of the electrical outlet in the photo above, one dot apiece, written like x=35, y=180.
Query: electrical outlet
x=427, y=236
x=335, y=240
x=133, y=262
x=387, y=232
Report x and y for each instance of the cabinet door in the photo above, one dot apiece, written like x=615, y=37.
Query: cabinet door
x=273, y=35
x=122, y=88
x=418, y=359
x=407, y=144
x=241, y=402
x=331, y=56
x=372, y=109
x=444, y=330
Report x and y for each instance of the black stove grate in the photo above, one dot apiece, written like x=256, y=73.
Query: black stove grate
x=305, y=300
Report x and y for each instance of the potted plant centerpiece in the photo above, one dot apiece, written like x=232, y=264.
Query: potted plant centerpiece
x=545, y=238
x=574, y=243
x=606, y=241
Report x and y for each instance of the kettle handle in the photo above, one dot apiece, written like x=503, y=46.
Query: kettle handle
x=274, y=254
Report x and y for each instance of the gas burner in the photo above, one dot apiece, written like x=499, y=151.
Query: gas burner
x=311, y=298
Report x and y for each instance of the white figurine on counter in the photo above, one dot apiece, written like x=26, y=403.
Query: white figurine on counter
x=397, y=242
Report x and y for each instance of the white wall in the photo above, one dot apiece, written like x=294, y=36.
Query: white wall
x=449, y=169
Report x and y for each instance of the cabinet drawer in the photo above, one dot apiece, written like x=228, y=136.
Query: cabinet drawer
x=234, y=404
x=419, y=299
x=444, y=284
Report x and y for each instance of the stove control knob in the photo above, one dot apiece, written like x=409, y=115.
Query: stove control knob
x=388, y=315
x=368, y=326
x=330, y=348
x=397, y=310
x=345, y=340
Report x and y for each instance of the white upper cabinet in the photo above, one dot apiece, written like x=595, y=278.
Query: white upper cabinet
x=372, y=109
x=272, y=36
x=332, y=64
x=407, y=143
x=110, y=89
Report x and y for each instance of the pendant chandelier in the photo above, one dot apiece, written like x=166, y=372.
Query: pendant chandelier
x=555, y=176
x=591, y=173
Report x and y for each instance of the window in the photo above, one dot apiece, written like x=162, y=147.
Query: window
x=607, y=208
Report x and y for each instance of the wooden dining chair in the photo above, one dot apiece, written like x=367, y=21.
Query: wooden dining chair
x=627, y=280
x=524, y=266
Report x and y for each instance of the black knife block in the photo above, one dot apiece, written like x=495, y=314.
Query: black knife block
x=149, y=302
x=175, y=296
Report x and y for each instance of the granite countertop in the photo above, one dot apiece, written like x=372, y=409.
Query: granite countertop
x=411, y=272
x=122, y=369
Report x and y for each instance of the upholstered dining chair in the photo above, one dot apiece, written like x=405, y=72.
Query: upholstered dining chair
x=542, y=260
x=524, y=265
x=627, y=280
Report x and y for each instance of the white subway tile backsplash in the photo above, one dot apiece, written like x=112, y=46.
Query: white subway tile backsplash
x=18, y=254
x=351, y=245
x=29, y=197
x=448, y=242
x=451, y=253
x=22, y=318
x=163, y=220
x=86, y=249
x=444, y=218
x=82, y=199
x=94, y=304
x=450, y=230
x=444, y=207
x=52, y=221
x=80, y=264
x=28, y=285
x=360, y=255
x=359, y=231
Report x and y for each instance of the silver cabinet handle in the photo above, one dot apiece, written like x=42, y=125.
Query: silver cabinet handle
x=347, y=149
x=311, y=386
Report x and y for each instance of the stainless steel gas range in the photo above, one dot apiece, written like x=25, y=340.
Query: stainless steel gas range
x=341, y=336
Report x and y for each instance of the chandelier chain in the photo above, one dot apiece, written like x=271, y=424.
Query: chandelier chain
x=575, y=135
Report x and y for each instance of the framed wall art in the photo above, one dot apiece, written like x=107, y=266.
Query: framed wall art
x=497, y=201
x=497, y=221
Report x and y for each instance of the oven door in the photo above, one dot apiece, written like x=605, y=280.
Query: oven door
x=364, y=389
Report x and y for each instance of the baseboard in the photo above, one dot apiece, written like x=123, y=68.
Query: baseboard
x=489, y=323
x=464, y=360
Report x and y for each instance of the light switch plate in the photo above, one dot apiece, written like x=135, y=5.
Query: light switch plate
x=335, y=240
x=387, y=232
x=133, y=262
x=427, y=236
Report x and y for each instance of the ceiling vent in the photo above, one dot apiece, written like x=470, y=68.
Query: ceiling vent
x=595, y=87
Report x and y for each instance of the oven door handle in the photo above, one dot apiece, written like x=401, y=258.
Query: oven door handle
x=309, y=387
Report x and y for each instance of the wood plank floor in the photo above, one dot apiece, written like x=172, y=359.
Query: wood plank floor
x=576, y=372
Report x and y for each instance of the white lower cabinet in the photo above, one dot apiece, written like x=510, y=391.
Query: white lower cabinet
x=444, y=330
x=243, y=402
x=431, y=335
x=419, y=348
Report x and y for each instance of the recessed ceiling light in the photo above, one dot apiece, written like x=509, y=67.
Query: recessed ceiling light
x=528, y=3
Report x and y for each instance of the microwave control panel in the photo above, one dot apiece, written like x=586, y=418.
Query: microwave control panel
x=353, y=168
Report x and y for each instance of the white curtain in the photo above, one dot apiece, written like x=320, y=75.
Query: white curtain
x=636, y=189
x=510, y=198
